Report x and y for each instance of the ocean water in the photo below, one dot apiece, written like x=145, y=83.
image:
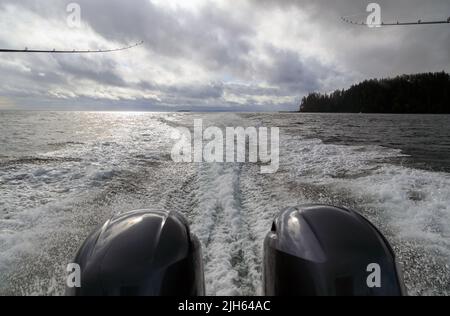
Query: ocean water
x=64, y=173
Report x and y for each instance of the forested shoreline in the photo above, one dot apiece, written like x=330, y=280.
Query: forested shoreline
x=427, y=93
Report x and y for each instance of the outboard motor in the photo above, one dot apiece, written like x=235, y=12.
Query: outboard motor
x=149, y=253
x=327, y=251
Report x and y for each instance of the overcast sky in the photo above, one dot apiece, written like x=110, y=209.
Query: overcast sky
x=243, y=55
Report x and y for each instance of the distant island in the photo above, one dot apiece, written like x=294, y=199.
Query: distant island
x=427, y=93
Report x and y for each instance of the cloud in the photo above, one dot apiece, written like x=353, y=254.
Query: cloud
x=208, y=55
x=5, y=103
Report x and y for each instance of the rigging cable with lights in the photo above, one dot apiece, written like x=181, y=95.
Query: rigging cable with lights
x=74, y=51
x=348, y=19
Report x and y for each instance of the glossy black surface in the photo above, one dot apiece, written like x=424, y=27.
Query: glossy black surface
x=141, y=253
x=322, y=250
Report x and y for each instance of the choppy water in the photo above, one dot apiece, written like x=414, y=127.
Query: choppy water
x=62, y=174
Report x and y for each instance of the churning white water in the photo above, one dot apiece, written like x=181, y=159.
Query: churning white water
x=62, y=174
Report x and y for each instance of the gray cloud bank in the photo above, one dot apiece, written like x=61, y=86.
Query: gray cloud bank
x=243, y=55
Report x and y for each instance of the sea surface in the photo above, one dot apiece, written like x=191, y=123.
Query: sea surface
x=64, y=173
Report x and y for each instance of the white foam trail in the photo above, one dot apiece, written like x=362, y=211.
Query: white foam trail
x=218, y=225
x=230, y=206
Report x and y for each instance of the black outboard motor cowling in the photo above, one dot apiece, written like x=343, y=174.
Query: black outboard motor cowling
x=148, y=253
x=317, y=250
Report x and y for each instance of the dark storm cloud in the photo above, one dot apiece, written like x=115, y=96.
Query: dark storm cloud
x=255, y=90
x=223, y=54
x=212, y=91
x=211, y=36
x=295, y=74
x=101, y=70
x=379, y=52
